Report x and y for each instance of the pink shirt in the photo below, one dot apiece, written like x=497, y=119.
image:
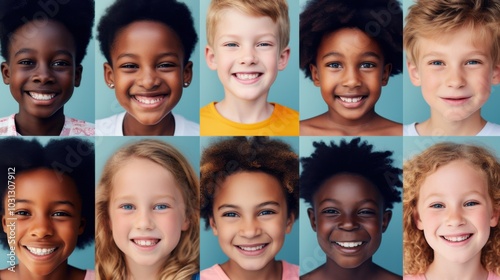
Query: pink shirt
x=290, y=272
x=71, y=127
x=491, y=276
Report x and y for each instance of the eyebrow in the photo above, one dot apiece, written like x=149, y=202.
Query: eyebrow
x=57, y=202
x=26, y=50
x=263, y=204
x=131, y=55
x=365, y=54
x=333, y=200
x=132, y=197
x=434, y=53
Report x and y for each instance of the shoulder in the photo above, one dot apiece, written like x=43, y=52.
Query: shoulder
x=74, y=127
x=316, y=126
x=8, y=126
x=208, y=109
x=284, y=121
x=108, y=126
x=493, y=276
x=414, y=277
x=387, y=127
x=290, y=271
x=314, y=274
x=410, y=129
x=490, y=129
x=278, y=108
x=185, y=127
x=89, y=275
x=213, y=273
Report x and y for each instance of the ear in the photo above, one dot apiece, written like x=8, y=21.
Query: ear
x=4, y=225
x=413, y=73
x=289, y=223
x=81, y=227
x=494, y=217
x=188, y=73
x=185, y=224
x=5, y=73
x=495, y=78
x=213, y=226
x=386, y=219
x=417, y=221
x=314, y=74
x=210, y=57
x=283, y=59
x=386, y=74
x=78, y=75
x=312, y=218
x=109, y=75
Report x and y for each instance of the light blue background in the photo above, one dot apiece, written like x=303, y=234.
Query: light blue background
x=285, y=89
x=83, y=259
x=388, y=106
x=210, y=251
x=416, y=109
x=81, y=104
x=389, y=255
x=106, y=103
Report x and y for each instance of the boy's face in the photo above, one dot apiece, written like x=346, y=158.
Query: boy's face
x=455, y=212
x=41, y=70
x=250, y=219
x=147, y=213
x=456, y=74
x=47, y=220
x=350, y=71
x=148, y=71
x=348, y=217
x=246, y=55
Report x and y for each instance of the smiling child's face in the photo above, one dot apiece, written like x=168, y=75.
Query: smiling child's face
x=41, y=70
x=250, y=219
x=348, y=217
x=48, y=212
x=147, y=70
x=350, y=72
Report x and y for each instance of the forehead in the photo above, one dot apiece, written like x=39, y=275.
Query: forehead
x=349, y=40
x=232, y=21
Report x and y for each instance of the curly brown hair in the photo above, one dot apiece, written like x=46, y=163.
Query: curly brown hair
x=418, y=255
x=228, y=156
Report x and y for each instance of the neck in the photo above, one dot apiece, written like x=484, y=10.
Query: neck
x=29, y=125
x=63, y=271
x=366, y=270
x=272, y=271
x=443, y=269
x=439, y=126
x=132, y=127
x=245, y=111
x=353, y=126
x=140, y=272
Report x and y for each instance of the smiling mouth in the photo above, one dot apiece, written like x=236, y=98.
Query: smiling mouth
x=247, y=76
x=40, y=251
x=351, y=99
x=41, y=96
x=148, y=100
x=456, y=238
x=349, y=244
x=252, y=248
x=146, y=243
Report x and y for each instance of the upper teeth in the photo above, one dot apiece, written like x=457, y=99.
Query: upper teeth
x=148, y=100
x=457, y=238
x=349, y=244
x=42, y=96
x=146, y=242
x=351, y=100
x=246, y=76
x=40, y=251
x=252, y=248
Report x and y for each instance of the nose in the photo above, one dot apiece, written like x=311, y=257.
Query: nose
x=143, y=220
x=348, y=222
x=250, y=228
x=41, y=227
x=455, y=217
x=351, y=78
x=42, y=74
x=455, y=77
x=248, y=56
x=148, y=79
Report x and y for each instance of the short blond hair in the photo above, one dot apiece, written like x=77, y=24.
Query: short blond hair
x=433, y=18
x=277, y=10
x=418, y=255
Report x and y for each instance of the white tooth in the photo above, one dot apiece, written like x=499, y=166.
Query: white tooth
x=245, y=76
x=350, y=100
x=148, y=100
x=40, y=251
x=145, y=242
x=349, y=244
x=252, y=248
x=457, y=238
x=42, y=96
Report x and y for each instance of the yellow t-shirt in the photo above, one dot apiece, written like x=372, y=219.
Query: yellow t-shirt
x=283, y=122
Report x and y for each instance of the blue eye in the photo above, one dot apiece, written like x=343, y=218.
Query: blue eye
x=367, y=65
x=334, y=65
x=436, y=63
x=230, y=45
x=160, y=207
x=127, y=207
x=471, y=203
x=230, y=214
x=266, y=212
x=437, y=205
x=264, y=45
x=473, y=62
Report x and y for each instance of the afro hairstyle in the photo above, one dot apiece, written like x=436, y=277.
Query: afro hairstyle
x=354, y=157
x=380, y=19
x=169, y=12
x=73, y=157
x=256, y=154
x=76, y=15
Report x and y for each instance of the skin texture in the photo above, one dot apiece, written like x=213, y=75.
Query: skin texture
x=348, y=209
x=456, y=218
x=250, y=211
x=147, y=65
x=456, y=82
x=247, y=57
x=350, y=72
x=146, y=204
x=48, y=212
x=41, y=62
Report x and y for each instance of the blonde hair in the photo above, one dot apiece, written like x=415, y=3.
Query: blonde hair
x=277, y=10
x=418, y=255
x=433, y=18
x=184, y=259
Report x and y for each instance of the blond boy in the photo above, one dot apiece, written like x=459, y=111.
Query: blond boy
x=247, y=45
x=453, y=54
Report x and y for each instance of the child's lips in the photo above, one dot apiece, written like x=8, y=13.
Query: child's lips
x=42, y=97
x=351, y=101
x=150, y=100
x=247, y=77
x=456, y=100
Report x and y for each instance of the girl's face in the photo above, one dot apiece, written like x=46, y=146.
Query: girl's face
x=350, y=71
x=147, y=213
x=250, y=219
x=349, y=219
x=455, y=212
x=45, y=221
x=148, y=71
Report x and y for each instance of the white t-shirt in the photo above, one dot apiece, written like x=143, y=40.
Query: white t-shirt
x=490, y=129
x=112, y=126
